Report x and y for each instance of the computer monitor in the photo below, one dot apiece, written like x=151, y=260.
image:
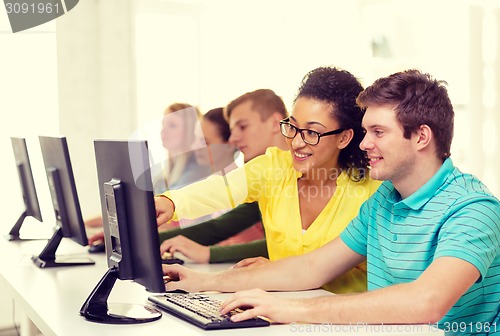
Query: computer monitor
x=30, y=198
x=69, y=221
x=130, y=231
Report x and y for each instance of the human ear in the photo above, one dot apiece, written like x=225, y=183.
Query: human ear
x=424, y=136
x=275, y=119
x=346, y=137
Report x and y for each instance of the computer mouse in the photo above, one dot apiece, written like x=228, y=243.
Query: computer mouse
x=169, y=259
x=172, y=260
x=97, y=248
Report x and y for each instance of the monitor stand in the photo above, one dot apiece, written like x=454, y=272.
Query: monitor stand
x=97, y=309
x=47, y=258
x=14, y=232
x=14, y=235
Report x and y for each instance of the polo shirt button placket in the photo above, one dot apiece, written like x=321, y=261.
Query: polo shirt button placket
x=397, y=218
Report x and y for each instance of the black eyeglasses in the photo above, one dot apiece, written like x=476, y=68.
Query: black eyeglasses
x=309, y=136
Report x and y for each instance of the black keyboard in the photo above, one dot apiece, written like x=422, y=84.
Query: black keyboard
x=202, y=311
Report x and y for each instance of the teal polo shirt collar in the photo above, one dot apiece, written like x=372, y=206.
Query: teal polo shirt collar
x=420, y=197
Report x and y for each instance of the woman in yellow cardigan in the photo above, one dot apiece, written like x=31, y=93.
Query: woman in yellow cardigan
x=306, y=195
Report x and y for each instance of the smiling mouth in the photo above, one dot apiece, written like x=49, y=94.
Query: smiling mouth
x=300, y=156
x=375, y=160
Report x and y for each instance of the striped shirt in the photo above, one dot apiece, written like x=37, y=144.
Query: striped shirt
x=452, y=215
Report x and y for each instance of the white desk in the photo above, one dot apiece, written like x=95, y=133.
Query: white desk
x=52, y=298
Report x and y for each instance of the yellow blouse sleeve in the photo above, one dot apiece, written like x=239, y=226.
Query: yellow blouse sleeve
x=244, y=184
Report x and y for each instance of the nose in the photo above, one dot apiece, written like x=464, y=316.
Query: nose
x=297, y=141
x=234, y=137
x=365, y=144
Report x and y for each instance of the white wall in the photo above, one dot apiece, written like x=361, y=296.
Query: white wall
x=28, y=107
x=208, y=52
x=96, y=74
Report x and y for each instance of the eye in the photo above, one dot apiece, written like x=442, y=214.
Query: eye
x=378, y=133
x=289, y=128
x=311, y=132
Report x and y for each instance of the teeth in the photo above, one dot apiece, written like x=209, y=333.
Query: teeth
x=299, y=155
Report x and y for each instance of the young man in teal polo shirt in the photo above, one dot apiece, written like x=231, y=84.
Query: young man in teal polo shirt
x=430, y=234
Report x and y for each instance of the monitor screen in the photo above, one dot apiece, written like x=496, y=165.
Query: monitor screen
x=130, y=230
x=69, y=221
x=30, y=198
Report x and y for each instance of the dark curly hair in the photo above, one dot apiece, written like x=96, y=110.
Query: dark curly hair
x=339, y=89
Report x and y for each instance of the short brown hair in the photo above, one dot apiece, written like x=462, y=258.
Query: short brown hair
x=264, y=101
x=418, y=100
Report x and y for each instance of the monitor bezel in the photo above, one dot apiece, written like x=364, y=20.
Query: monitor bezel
x=28, y=188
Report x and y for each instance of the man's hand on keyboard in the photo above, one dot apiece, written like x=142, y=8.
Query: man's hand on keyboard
x=194, y=251
x=259, y=303
x=180, y=277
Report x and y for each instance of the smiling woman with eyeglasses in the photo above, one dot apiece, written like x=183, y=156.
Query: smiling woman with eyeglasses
x=306, y=195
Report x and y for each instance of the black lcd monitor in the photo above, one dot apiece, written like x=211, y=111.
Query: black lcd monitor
x=28, y=190
x=69, y=221
x=130, y=231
